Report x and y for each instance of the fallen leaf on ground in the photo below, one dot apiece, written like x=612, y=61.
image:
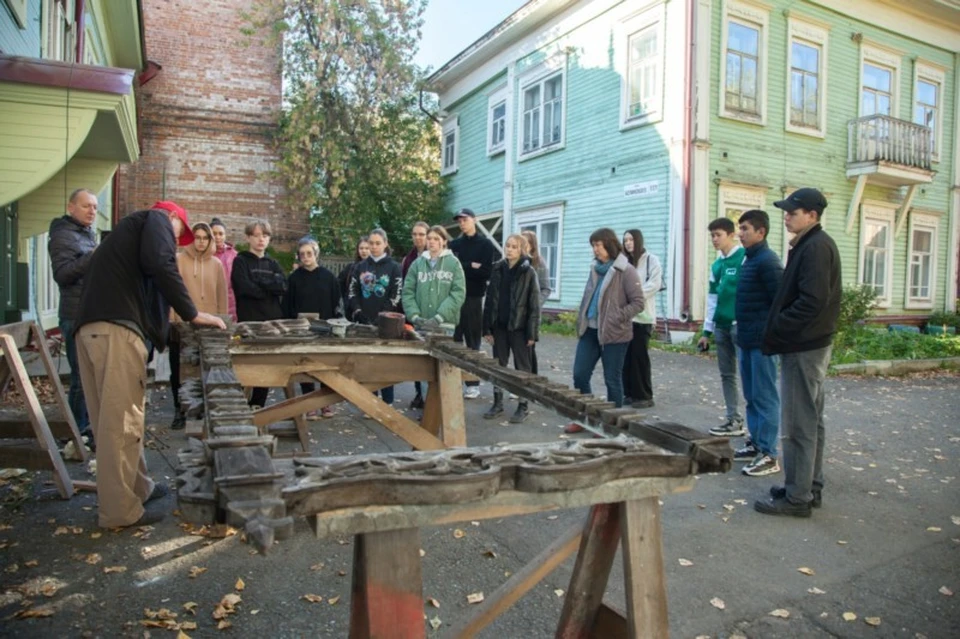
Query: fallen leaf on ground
x=841, y=542
x=816, y=591
x=806, y=571
x=312, y=598
x=552, y=517
x=872, y=621
x=783, y=613
x=191, y=607
x=182, y=635
x=96, y=535
x=110, y=569
x=684, y=562
x=423, y=553
x=254, y=612
x=717, y=602
x=849, y=616
x=39, y=611
x=239, y=585
x=475, y=597
x=31, y=563
x=490, y=553
x=435, y=622
x=955, y=519
x=933, y=529
x=558, y=592
x=230, y=600
x=93, y=558
x=196, y=571
x=728, y=507
x=342, y=573
x=946, y=592
x=333, y=600
x=459, y=534
x=433, y=602
x=223, y=624
x=316, y=567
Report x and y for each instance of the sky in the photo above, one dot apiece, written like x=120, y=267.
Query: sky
x=450, y=26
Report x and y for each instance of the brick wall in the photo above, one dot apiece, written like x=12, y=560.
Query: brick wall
x=206, y=120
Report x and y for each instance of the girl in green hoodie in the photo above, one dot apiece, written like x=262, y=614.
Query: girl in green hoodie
x=435, y=286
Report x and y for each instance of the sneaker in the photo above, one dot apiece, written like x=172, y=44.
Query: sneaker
x=512, y=396
x=730, y=429
x=779, y=492
x=494, y=411
x=746, y=454
x=326, y=411
x=520, y=414
x=179, y=422
x=417, y=403
x=642, y=403
x=781, y=506
x=762, y=465
x=471, y=392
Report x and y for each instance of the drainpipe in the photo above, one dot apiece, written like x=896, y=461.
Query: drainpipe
x=688, y=95
x=115, y=213
x=953, y=269
x=428, y=114
x=78, y=15
x=509, y=153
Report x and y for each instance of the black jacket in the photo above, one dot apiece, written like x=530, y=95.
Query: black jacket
x=524, y=299
x=757, y=285
x=258, y=285
x=375, y=287
x=70, y=247
x=133, y=278
x=468, y=250
x=315, y=291
x=805, y=311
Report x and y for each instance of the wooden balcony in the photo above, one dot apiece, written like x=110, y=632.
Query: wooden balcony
x=888, y=151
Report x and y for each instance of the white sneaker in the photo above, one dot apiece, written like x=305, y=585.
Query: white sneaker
x=471, y=392
x=513, y=396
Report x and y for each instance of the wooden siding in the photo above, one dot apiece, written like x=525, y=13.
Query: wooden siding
x=20, y=41
x=772, y=157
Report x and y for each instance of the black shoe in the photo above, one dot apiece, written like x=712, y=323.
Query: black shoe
x=494, y=411
x=160, y=490
x=642, y=403
x=179, y=422
x=779, y=492
x=778, y=506
x=730, y=429
x=746, y=453
x=417, y=403
x=520, y=414
x=149, y=517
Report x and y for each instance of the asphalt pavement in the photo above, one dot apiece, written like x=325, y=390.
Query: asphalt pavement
x=884, y=550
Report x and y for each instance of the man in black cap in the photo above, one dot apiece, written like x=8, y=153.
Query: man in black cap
x=476, y=254
x=800, y=327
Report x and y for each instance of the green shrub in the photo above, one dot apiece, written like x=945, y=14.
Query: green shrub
x=861, y=343
x=564, y=323
x=856, y=302
x=945, y=319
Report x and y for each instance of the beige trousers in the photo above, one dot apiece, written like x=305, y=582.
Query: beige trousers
x=113, y=369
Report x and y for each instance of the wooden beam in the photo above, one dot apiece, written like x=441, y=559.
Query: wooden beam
x=19, y=331
x=450, y=390
x=904, y=209
x=274, y=370
x=598, y=547
x=432, y=419
x=320, y=398
x=854, y=208
x=19, y=427
x=40, y=340
x=506, y=503
x=644, y=579
x=387, y=590
x=299, y=419
x=518, y=585
x=355, y=393
x=609, y=623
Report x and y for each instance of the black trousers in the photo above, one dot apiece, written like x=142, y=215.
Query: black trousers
x=637, y=373
x=173, y=352
x=505, y=342
x=470, y=328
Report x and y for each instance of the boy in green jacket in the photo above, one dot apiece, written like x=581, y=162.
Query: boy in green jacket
x=720, y=322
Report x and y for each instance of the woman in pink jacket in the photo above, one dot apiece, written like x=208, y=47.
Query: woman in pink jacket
x=226, y=254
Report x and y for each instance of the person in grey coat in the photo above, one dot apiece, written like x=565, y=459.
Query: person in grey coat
x=72, y=240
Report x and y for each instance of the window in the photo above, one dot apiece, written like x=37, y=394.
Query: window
x=927, y=103
x=542, y=122
x=59, y=33
x=921, y=261
x=879, y=81
x=743, y=70
x=47, y=291
x=545, y=222
x=450, y=146
x=876, y=242
x=734, y=199
x=642, y=38
x=806, y=79
x=497, y=121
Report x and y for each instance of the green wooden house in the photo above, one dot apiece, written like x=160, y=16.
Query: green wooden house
x=68, y=69
x=569, y=116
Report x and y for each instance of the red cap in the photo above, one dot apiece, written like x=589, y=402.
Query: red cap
x=186, y=236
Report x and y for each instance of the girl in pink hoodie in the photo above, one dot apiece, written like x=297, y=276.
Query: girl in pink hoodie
x=226, y=254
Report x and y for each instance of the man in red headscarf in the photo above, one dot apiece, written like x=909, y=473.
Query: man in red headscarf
x=130, y=285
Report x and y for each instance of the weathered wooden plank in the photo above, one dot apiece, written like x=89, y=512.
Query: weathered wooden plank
x=299, y=419
x=610, y=623
x=348, y=346
x=19, y=332
x=506, y=503
x=40, y=341
x=387, y=590
x=598, y=547
x=644, y=578
x=18, y=427
x=432, y=419
x=320, y=398
x=356, y=394
x=275, y=370
x=518, y=585
x=28, y=455
x=451, y=405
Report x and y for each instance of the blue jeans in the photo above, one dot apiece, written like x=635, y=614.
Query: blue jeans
x=589, y=352
x=759, y=375
x=75, y=398
x=725, y=340
x=803, y=431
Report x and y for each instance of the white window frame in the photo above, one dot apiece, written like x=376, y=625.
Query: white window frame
x=741, y=197
x=540, y=75
x=633, y=25
x=57, y=30
x=47, y=291
x=496, y=99
x=756, y=16
x=934, y=74
x=882, y=213
x=891, y=59
x=537, y=217
x=450, y=125
x=18, y=8
x=815, y=35
x=930, y=223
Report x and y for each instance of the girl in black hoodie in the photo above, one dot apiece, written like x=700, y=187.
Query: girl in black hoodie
x=259, y=284
x=375, y=287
